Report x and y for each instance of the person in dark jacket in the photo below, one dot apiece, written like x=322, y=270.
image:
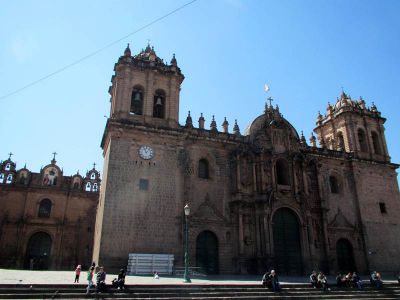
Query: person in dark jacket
x=266, y=280
x=121, y=279
x=101, y=281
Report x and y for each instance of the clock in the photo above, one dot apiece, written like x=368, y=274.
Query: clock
x=146, y=152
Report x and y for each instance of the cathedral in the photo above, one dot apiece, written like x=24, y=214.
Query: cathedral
x=261, y=198
x=258, y=199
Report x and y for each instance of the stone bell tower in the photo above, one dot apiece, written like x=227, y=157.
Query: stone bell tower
x=140, y=188
x=145, y=89
x=351, y=126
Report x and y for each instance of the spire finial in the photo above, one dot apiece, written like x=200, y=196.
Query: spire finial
x=11, y=154
x=53, y=161
x=189, y=121
x=201, y=121
x=173, y=60
x=236, y=129
x=127, y=51
x=94, y=166
x=213, y=125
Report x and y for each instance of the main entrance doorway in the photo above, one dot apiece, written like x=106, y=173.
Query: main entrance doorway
x=287, y=248
x=207, y=252
x=345, y=256
x=38, y=252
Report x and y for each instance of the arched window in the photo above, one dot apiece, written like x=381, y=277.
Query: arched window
x=88, y=187
x=159, y=105
x=282, y=172
x=333, y=183
x=95, y=187
x=44, y=208
x=203, y=169
x=9, y=179
x=375, y=143
x=362, y=140
x=93, y=176
x=1, y=177
x=340, y=144
x=8, y=167
x=137, y=101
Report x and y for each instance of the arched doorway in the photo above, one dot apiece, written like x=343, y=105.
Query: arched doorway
x=345, y=257
x=287, y=248
x=207, y=252
x=38, y=252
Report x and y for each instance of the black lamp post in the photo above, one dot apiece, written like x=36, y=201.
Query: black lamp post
x=186, y=274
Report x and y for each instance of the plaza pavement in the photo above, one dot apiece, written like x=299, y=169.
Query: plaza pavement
x=10, y=276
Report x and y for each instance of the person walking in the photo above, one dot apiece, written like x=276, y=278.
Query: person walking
x=90, y=279
x=77, y=273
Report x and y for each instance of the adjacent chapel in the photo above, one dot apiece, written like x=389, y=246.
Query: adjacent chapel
x=259, y=199
x=46, y=219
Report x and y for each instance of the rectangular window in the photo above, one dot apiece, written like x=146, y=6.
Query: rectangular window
x=382, y=207
x=143, y=184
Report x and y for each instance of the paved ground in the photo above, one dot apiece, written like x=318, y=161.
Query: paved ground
x=8, y=276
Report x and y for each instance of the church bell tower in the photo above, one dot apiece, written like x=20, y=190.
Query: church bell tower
x=140, y=191
x=351, y=126
x=146, y=90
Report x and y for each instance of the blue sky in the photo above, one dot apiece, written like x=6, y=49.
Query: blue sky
x=227, y=49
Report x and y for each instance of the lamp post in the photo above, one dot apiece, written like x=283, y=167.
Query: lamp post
x=186, y=274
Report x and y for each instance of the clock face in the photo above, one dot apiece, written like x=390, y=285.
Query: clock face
x=146, y=152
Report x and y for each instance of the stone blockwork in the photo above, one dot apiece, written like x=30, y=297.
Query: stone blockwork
x=264, y=199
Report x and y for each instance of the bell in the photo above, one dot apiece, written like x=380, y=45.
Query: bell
x=137, y=97
x=159, y=101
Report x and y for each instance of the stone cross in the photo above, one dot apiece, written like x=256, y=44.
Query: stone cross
x=270, y=101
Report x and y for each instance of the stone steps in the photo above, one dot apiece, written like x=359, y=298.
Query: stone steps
x=193, y=291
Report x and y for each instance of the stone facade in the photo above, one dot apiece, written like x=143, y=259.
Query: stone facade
x=259, y=199
x=46, y=219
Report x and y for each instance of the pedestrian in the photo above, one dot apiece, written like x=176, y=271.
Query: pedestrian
x=313, y=279
x=323, y=281
x=276, y=287
x=376, y=280
x=89, y=279
x=339, y=280
x=121, y=279
x=77, y=273
x=266, y=280
x=101, y=281
x=357, y=281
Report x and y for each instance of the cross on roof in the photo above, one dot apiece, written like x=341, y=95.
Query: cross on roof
x=10, y=154
x=54, y=155
x=270, y=101
x=94, y=165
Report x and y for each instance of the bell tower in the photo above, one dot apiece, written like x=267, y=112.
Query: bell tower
x=140, y=168
x=145, y=89
x=351, y=126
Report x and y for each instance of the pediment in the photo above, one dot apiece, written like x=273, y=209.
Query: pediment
x=208, y=212
x=340, y=221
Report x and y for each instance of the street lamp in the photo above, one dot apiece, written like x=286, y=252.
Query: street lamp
x=186, y=274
